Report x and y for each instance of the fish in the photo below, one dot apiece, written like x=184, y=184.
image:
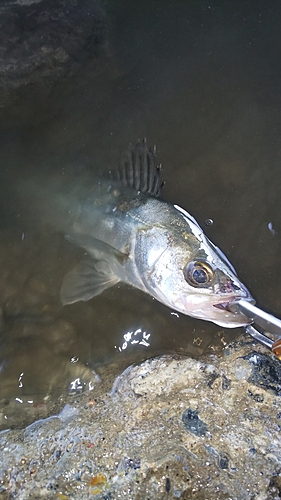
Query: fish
x=132, y=236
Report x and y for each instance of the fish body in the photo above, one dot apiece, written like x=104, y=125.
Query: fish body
x=134, y=237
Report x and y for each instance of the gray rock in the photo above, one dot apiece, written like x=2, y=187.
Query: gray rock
x=169, y=428
x=42, y=42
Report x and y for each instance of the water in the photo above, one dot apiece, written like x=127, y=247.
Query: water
x=202, y=81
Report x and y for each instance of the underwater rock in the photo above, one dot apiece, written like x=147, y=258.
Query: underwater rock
x=42, y=41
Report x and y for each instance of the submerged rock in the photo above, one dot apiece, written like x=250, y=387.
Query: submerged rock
x=42, y=41
x=169, y=427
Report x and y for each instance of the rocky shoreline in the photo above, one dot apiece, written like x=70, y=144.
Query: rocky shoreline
x=170, y=427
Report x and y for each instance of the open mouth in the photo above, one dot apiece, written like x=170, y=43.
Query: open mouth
x=223, y=306
x=232, y=304
x=226, y=305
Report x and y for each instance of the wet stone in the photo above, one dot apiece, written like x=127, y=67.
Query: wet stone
x=266, y=371
x=223, y=462
x=226, y=384
x=133, y=463
x=168, y=485
x=193, y=423
x=275, y=484
x=211, y=379
x=42, y=42
x=158, y=430
x=259, y=398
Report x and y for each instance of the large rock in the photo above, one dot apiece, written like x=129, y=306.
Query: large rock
x=169, y=428
x=42, y=41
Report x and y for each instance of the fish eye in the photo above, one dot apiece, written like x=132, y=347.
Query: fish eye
x=198, y=273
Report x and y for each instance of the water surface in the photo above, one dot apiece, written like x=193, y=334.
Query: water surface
x=201, y=80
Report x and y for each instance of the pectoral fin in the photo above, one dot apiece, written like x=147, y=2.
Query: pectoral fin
x=87, y=280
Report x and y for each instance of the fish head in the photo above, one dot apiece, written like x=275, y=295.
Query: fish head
x=184, y=270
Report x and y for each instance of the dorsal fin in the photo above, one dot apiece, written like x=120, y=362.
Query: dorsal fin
x=138, y=169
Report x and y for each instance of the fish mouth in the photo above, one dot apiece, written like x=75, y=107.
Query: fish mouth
x=230, y=305
x=225, y=306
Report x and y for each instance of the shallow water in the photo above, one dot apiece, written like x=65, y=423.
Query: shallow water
x=201, y=81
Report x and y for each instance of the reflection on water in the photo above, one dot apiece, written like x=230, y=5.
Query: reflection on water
x=138, y=337
x=200, y=80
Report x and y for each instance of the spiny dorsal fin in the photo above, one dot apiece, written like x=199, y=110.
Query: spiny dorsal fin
x=138, y=169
